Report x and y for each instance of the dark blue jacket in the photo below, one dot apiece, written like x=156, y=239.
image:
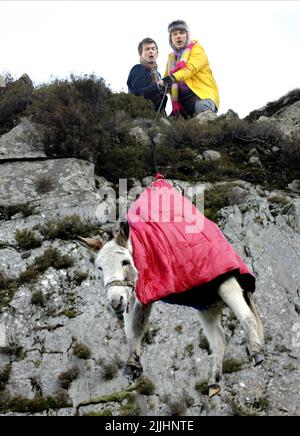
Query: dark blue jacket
x=139, y=83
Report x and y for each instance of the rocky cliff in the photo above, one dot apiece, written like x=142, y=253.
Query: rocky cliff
x=61, y=350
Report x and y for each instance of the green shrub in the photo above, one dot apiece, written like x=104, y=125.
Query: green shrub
x=38, y=299
x=109, y=368
x=131, y=408
x=203, y=342
x=234, y=139
x=68, y=228
x=14, y=350
x=7, y=212
x=44, y=184
x=84, y=119
x=75, y=114
x=189, y=349
x=238, y=409
x=39, y=404
x=202, y=387
x=26, y=239
x=15, y=99
x=179, y=329
x=262, y=403
x=215, y=199
x=231, y=365
x=133, y=106
x=178, y=406
x=145, y=386
x=6, y=282
x=67, y=377
x=8, y=287
x=79, y=277
x=132, y=161
x=81, y=351
x=4, y=376
x=29, y=275
x=70, y=313
x=50, y=258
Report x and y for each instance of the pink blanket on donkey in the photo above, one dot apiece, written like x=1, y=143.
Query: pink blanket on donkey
x=175, y=248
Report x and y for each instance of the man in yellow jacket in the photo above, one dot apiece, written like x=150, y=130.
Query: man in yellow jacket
x=188, y=74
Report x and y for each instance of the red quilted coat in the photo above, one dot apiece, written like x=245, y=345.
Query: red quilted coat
x=175, y=248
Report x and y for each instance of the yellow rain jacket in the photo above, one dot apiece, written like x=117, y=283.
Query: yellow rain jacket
x=197, y=75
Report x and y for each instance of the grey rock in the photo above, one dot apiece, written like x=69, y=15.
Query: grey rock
x=255, y=160
x=237, y=195
x=55, y=187
x=230, y=115
x=143, y=123
x=25, y=141
x=198, y=158
x=283, y=113
x=25, y=80
x=140, y=136
x=101, y=182
x=165, y=121
x=295, y=186
x=205, y=116
x=211, y=155
x=158, y=139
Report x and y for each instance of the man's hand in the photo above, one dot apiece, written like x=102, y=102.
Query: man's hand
x=168, y=81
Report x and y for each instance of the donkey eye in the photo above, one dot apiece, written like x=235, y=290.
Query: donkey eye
x=125, y=262
x=100, y=269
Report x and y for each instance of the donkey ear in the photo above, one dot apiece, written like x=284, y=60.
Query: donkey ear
x=123, y=234
x=92, y=244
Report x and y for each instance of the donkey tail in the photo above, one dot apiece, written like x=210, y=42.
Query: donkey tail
x=260, y=328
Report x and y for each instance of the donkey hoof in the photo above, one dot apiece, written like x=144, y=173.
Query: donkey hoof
x=258, y=359
x=133, y=371
x=213, y=390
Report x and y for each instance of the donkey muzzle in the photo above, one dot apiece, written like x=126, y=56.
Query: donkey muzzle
x=117, y=306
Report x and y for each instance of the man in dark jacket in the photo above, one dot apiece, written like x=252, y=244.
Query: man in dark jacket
x=143, y=78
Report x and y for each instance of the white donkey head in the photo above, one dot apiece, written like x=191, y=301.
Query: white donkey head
x=115, y=262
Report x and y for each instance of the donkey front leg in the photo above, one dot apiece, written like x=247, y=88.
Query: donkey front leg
x=213, y=330
x=136, y=324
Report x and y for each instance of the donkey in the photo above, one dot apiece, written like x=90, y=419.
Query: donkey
x=114, y=260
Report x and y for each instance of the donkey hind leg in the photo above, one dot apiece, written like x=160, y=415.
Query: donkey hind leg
x=213, y=330
x=136, y=324
x=231, y=292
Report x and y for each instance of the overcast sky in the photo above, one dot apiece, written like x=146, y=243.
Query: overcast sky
x=253, y=46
